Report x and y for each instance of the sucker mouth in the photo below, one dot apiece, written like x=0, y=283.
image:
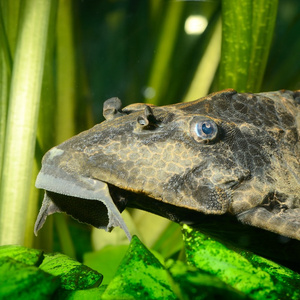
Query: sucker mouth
x=89, y=202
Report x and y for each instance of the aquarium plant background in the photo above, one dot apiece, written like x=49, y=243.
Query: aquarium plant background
x=60, y=60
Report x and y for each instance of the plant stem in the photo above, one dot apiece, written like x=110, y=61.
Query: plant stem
x=165, y=49
x=66, y=99
x=247, y=34
x=66, y=73
x=22, y=119
x=5, y=76
x=207, y=67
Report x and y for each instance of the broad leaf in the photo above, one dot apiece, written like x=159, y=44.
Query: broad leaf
x=20, y=281
x=73, y=274
x=140, y=276
x=248, y=273
x=31, y=257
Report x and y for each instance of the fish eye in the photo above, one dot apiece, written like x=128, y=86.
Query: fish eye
x=204, y=130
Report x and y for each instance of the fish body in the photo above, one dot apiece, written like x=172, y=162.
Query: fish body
x=227, y=153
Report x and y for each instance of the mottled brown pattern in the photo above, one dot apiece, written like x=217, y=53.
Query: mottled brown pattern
x=249, y=167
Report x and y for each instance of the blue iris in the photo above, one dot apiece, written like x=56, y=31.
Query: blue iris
x=207, y=128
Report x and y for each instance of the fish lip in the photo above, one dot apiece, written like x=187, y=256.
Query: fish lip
x=64, y=186
x=86, y=189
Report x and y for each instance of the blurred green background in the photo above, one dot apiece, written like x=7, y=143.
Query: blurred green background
x=60, y=60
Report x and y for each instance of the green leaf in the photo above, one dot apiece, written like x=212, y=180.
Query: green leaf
x=20, y=281
x=283, y=59
x=31, y=257
x=22, y=116
x=165, y=47
x=196, y=284
x=248, y=27
x=66, y=99
x=45, y=140
x=286, y=280
x=66, y=85
x=207, y=66
x=73, y=274
x=140, y=276
x=250, y=276
x=5, y=76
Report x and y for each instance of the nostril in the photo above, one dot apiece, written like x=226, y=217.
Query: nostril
x=142, y=121
x=112, y=108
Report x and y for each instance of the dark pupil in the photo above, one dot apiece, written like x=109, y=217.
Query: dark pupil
x=207, y=128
